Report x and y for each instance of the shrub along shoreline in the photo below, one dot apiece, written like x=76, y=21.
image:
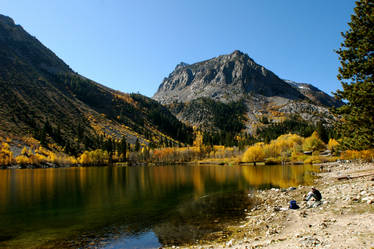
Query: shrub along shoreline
x=294, y=149
x=286, y=149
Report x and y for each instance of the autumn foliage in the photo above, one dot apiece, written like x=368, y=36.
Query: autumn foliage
x=287, y=148
x=6, y=156
x=174, y=155
x=313, y=143
x=41, y=155
x=333, y=145
x=363, y=155
x=254, y=153
x=96, y=157
x=277, y=150
x=32, y=155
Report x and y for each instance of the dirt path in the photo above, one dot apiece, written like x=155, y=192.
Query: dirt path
x=344, y=220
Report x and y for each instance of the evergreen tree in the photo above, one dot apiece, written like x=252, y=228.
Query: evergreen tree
x=322, y=132
x=123, y=147
x=356, y=75
x=108, y=145
x=43, y=137
x=137, y=145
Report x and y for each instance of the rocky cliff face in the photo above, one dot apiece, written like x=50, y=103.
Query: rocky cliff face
x=237, y=78
x=225, y=78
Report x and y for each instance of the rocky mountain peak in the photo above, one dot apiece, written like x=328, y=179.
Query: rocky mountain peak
x=239, y=55
x=237, y=52
x=224, y=78
x=15, y=41
x=6, y=20
x=181, y=65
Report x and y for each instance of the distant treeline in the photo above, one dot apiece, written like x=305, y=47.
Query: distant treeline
x=270, y=131
x=295, y=125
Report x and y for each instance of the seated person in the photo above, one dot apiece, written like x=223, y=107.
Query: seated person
x=316, y=195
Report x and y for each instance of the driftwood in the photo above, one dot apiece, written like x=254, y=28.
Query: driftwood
x=348, y=177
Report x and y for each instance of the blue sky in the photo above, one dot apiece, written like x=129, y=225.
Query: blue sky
x=132, y=45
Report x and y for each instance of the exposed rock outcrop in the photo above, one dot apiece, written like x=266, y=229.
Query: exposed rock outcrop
x=238, y=78
x=225, y=78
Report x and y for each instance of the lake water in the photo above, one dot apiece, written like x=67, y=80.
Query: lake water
x=130, y=207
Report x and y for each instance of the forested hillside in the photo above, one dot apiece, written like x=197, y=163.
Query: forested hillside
x=43, y=99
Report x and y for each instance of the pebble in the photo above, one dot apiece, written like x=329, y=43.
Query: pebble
x=230, y=243
x=310, y=241
x=323, y=225
x=277, y=208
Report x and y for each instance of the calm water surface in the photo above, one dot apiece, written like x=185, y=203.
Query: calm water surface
x=130, y=207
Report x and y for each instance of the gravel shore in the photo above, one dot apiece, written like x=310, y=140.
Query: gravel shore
x=344, y=220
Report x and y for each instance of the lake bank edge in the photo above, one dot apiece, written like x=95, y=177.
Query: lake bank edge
x=343, y=219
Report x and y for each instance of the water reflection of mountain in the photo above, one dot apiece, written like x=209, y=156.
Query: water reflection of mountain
x=67, y=201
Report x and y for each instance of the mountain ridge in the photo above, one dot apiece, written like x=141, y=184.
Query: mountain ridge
x=43, y=98
x=216, y=77
x=236, y=77
x=315, y=94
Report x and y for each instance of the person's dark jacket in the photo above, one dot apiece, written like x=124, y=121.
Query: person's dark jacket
x=317, y=195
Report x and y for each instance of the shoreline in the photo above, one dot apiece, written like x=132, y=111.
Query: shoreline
x=221, y=162
x=345, y=218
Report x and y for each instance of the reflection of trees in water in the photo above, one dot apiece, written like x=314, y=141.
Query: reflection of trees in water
x=72, y=201
x=278, y=176
x=97, y=186
x=204, y=218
